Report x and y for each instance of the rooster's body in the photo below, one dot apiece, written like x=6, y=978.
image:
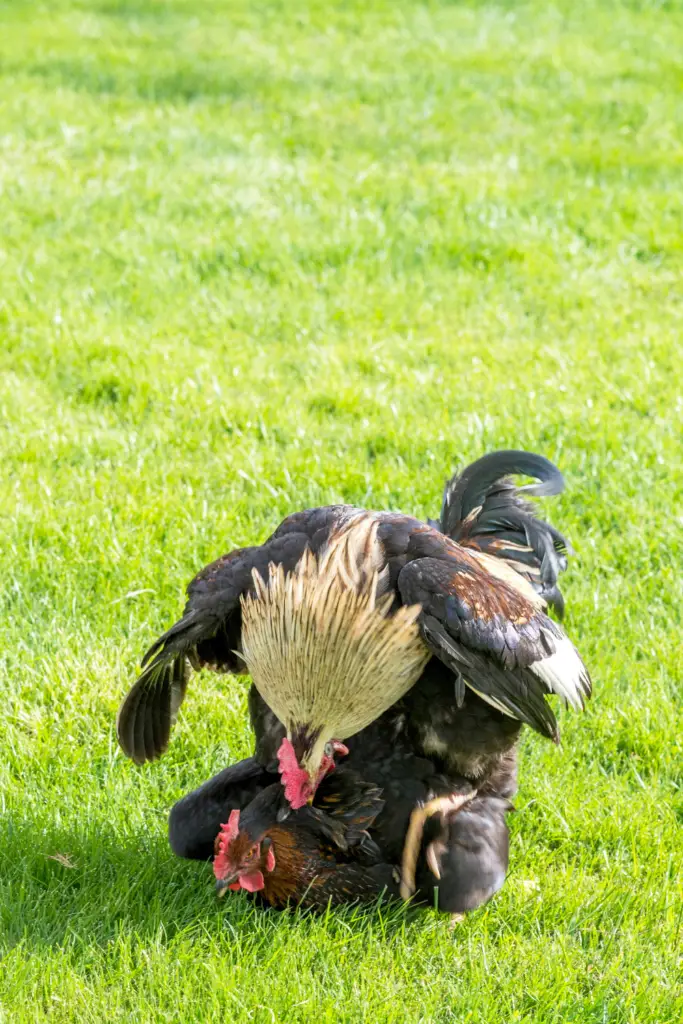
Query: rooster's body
x=483, y=586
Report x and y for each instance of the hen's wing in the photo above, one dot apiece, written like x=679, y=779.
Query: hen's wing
x=345, y=807
x=209, y=631
x=493, y=635
x=350, y=883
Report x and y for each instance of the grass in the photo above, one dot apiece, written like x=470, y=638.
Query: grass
x=262, y=256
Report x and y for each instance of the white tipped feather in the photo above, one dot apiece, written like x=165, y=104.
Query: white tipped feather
x=563, y=672
x=319, y=642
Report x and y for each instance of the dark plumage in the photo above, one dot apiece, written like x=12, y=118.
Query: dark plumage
x=484, y=511
x=483, y=576
x=470, y=847
x=483, y=598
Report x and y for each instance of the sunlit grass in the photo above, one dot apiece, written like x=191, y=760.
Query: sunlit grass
x=257, y=257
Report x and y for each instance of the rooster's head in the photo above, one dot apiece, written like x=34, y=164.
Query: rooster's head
x=328, y=650
x=304, y=762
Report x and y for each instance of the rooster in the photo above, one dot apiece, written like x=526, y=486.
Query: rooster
x=343, y=613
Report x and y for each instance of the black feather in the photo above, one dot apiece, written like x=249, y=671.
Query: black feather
x=485, y=511
x=195, y=820
x=146, y=715
x=472, y=851
x=469, y=489
x=521, y=694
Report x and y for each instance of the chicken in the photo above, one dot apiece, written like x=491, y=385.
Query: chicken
x=460, y=607
x=457, y=864
x=308, y=634
x=310, y=857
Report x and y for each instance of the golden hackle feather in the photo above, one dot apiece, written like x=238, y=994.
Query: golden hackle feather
x=503, y=570
x=320, y=643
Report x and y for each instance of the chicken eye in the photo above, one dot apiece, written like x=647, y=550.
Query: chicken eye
x=329, y=750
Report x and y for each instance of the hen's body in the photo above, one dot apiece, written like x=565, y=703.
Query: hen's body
x=471, y=845
x=319, y=854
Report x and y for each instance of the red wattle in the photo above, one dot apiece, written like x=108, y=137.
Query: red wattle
x=297, y=784
x=252, y=882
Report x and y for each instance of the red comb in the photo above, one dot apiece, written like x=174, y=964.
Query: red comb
x=228, y=832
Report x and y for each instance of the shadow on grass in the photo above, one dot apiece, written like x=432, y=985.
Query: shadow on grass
x=68, y=888
x=186, y=85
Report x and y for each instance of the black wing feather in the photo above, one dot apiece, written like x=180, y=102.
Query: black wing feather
x=207, y=634
x=344, y=797
x=522, y=697
x=149, y=709
x=194, y=821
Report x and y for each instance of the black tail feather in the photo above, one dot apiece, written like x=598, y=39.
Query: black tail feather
x=484, y=510
x=470, y=488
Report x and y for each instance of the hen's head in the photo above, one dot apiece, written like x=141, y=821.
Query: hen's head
x=242, y=857
x=304, y=763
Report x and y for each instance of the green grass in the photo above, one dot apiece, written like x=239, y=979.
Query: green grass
x=261, y=256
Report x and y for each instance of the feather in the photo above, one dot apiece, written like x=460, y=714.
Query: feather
x=465, y=492
x=484, y=511
x=563, y=672
x=320, y=645
x=149, y=710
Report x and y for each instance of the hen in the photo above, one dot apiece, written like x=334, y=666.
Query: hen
x=459, y=862
x=314, y=856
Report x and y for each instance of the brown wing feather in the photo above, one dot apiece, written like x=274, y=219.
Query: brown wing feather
x=494, y=634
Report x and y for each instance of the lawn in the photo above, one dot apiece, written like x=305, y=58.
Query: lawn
x=261, y=256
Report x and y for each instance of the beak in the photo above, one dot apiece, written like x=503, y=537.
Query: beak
x=223, y=884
